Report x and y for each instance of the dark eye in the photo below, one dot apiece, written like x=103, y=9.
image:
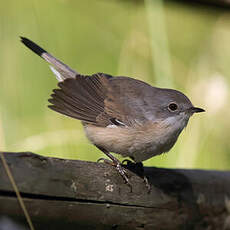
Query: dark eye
x=172, y=107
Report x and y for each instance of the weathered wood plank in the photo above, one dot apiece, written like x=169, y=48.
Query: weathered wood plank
x=93, y=195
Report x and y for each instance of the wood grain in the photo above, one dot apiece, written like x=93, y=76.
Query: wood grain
x=76, y=194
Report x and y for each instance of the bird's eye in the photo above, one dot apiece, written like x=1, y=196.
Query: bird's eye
x=172, y=107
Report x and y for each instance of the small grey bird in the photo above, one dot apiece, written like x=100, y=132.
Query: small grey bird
x=119, y=114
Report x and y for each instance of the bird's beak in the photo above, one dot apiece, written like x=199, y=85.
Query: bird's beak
x=196, y=110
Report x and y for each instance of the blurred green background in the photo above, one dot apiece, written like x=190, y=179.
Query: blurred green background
x=183, y=46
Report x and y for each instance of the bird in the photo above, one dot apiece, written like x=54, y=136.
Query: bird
x=120, y=115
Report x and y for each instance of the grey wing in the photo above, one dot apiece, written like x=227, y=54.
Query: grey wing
x=101, y=100
x=83, y=98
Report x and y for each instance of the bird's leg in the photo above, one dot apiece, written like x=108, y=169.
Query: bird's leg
x=138, y=168
x=115, y=163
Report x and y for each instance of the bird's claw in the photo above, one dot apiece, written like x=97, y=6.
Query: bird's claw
x=119, y=168
x=124, y=175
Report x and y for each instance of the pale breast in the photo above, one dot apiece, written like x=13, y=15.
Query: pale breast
x=112, y=138
x=140, y=142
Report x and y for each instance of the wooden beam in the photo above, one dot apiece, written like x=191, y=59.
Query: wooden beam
x=72, y=194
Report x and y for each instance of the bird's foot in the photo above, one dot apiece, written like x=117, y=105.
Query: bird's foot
x=116, y=163
x=138, y=168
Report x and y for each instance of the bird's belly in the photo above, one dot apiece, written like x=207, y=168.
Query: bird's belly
x=151, y=147
x=138, y=143
x=113, y=139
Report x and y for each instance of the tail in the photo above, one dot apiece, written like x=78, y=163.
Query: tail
x=61, y=70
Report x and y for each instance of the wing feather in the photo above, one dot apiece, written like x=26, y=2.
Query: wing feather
x=82, y=98
x=102, y=100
